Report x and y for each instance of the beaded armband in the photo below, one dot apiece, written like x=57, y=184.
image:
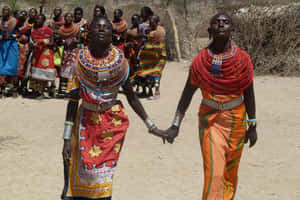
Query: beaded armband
x=252, y=122
x=178, y=118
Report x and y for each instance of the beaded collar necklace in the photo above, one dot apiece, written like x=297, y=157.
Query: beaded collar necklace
x=8, y=25
x=87, y=68
x=216, y=64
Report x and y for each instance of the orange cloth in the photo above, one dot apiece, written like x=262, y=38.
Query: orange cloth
x=221, y=136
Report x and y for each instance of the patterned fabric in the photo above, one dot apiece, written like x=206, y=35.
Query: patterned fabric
x=229, y=73
x=42, y=63
x=9, y=25
x=153, y=55
x=69, y=55
x=23, y=50
x=82, y=22
x=29, y=24
x=68, y=62
x=121, y=26
x=55, y=25
x=97, y=137
x=131, y=49
x=72, y=31
x=114, y=70
x=8, y=49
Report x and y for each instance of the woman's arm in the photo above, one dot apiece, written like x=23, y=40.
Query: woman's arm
x=138, y=108
x=70, y=118
x=249, y=99
x=184, y=102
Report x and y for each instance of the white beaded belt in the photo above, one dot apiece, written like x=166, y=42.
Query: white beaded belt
x=98, y=107
x=223, y=106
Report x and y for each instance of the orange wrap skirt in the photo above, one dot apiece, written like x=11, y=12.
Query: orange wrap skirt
x=222, y=135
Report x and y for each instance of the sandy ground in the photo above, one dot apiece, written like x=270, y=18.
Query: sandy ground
x=31, y=145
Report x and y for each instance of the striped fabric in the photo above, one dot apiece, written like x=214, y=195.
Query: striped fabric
x=153, y=54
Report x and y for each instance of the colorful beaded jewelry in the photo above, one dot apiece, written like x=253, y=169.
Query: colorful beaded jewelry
x=216, y=65
x=105, y=75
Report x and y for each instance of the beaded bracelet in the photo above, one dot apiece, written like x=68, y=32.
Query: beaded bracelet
x=69, y=123
x=252, y=122
x=178, y=118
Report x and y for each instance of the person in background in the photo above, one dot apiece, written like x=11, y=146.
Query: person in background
x=9, y=52
x=133, y=44
x=31, y=19
x=81, y=22
x=70, y=35
x=144, y=26
x=153, y=56
x=43, y=70
x=119, y=30
x=23, y=36
x=55, y=23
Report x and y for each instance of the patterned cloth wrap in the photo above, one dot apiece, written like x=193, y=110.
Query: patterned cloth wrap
x=121, y=29
x=97, y=136
x=153, y=55
x=42, y=62
x=69, y=55
x=23, y=49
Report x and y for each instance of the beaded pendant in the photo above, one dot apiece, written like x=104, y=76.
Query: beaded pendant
x=216, y=65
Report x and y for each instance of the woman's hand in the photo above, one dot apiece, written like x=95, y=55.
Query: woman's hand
x=251, y=135
x=159, y=133
x=67, y=150
x=172, y=133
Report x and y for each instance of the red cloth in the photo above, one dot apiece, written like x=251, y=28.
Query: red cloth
x=236, y=71
x=43, y=55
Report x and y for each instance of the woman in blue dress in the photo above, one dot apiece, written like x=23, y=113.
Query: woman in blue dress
x=8, y=49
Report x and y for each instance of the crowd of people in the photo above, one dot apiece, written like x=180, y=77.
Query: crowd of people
x=37, y=54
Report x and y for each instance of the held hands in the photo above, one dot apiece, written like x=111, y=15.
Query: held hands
x=159, y=133
x=251, y=135
x=172, y=133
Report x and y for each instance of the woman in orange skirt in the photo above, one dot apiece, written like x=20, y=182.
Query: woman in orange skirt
x=224, y=73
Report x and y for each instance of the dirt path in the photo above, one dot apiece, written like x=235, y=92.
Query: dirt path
x=30, y=147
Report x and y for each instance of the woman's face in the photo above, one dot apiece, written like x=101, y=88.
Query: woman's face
x=135, y=20
x=40, y=21
x=22, y=16
x=78, y=15
x=97, y=12
x=57, y=12
x=100, y=33
x=144, y=14
x=117, y=14
x=5, y=12
x=32, y=13
x=221, y=27
x=154, y=22
x=68, y=19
